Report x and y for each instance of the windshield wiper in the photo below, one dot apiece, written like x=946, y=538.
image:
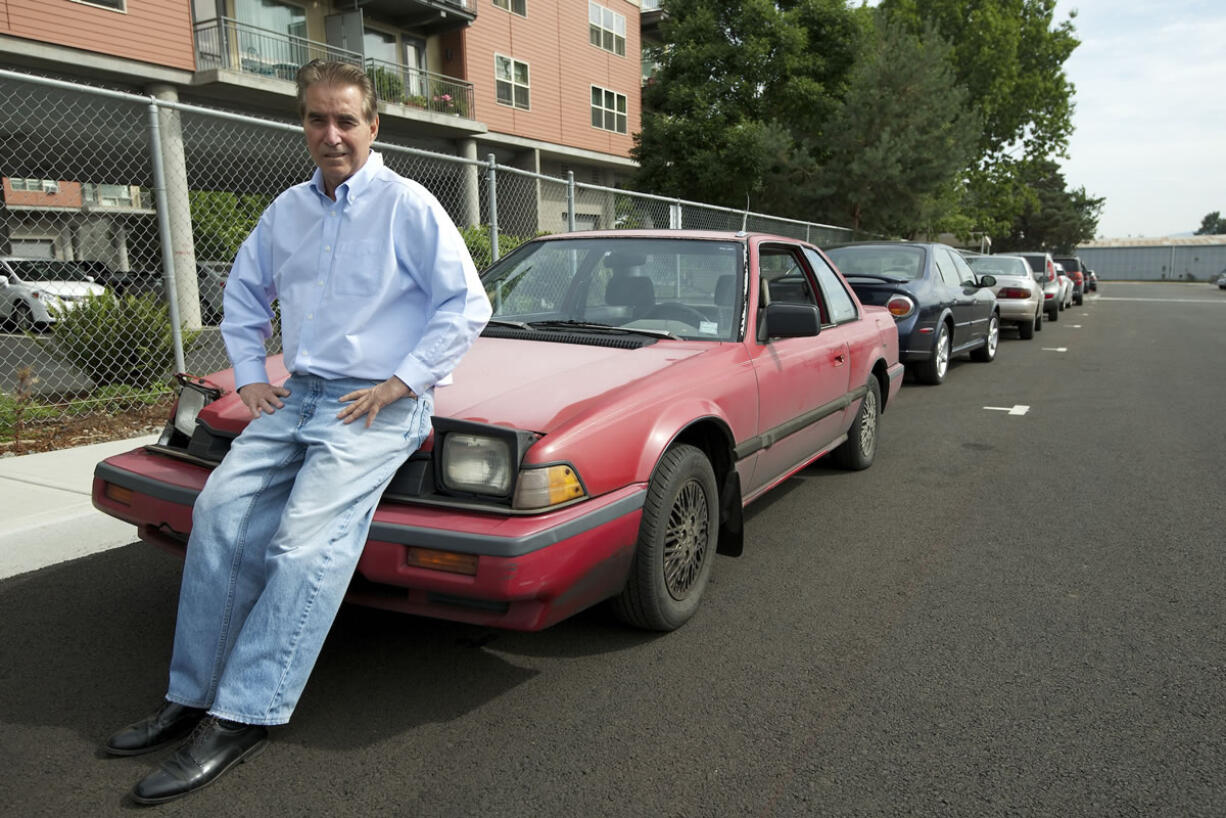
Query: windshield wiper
x=877, y=277
x=502, y=322
x=655, y=333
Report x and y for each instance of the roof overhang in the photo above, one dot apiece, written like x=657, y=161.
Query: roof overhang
x=426, y=16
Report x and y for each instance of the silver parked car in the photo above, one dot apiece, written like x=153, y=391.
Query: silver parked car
x=1044, y=269
x=1018, y=295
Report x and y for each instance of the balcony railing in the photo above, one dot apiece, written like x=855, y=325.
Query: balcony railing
x=421, y=89
x=227, y=43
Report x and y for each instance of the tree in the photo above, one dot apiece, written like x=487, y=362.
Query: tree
x=1010, y=57
x=743, y=96
x=1212, y=225
x=1057, y=219
x=901, y=138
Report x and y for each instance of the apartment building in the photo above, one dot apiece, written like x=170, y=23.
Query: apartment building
x=548, y=86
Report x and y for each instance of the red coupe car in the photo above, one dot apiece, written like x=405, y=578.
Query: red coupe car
x=633, y=391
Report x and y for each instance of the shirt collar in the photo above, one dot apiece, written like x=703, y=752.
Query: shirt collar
x=356, y=183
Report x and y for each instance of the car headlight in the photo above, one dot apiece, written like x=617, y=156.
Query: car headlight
x=193, y=396
x=483, y=460
x=477, y=464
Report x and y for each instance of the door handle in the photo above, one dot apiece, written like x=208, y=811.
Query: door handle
x=840, y=359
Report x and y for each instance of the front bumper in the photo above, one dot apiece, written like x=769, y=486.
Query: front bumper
x=532, y=571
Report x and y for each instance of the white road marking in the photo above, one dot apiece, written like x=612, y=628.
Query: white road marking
x=1073, y=326
x=1013, y=410
x=1055, y=349
x=1166, y=300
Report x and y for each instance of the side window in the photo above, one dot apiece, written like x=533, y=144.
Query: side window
x=965, y=274
x=945, y=266
x=783, y=277
x=842, y=308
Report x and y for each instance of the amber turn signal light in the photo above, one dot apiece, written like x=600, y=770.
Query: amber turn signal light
x=448, y=561
x=118, y=493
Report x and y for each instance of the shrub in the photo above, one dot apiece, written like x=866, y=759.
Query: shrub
x=124, y=340
x=388, y=84
x=477, y=237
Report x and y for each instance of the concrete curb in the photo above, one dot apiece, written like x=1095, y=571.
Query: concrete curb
x=45, y=508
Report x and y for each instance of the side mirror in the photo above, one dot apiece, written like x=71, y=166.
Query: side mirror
x=790, y=321
x=987, y=281
x=4, y=280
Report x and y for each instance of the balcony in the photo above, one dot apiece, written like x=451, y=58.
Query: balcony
x=426, y=16
x=229, y=44
x=421, y=89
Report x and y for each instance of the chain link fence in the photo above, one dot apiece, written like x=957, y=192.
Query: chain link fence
x=122, y=213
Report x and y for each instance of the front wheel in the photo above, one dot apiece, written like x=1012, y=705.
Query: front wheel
x=987, y=353
x=932, y=371
x=23, y=317
x=676, y=546
x=858, y=451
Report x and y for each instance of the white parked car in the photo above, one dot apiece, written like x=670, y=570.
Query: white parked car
x=34, y=291
x=1066, y=287
x=1019, y=296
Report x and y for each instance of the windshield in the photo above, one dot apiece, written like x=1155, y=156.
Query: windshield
x=46, y=270
x=1037, y=263
x=1072, y=265
x=999, y=266
x=688, y=287
x=891, y=261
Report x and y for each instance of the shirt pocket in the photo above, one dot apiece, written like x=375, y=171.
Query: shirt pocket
x=359, y=268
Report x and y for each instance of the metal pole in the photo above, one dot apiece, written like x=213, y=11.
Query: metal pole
x=492, y=195
x=168, y=254
x=570, y=201
x=674, y=215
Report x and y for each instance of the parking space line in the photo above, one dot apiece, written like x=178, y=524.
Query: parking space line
x=1019, y=409
x=1055, y=349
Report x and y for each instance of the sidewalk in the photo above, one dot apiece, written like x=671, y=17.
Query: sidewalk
x=46, y=515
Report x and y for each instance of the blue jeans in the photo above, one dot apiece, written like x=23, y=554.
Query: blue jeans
x=276, y=535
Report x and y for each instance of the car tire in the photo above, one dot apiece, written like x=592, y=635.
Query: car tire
x=987, y=353
x=23, y=317
x=857, y=452
x=1053, y=315
x=932, y=371
x=1038, y=321
x=1026, y=329
x=678, y=536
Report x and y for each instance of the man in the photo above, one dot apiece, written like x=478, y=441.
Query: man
x=379, y=300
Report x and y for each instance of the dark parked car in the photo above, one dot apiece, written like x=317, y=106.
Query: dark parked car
x=1074, y=269
x=942, y=308
x=632, y=392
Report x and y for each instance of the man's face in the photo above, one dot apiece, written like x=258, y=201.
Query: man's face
x=337, y=134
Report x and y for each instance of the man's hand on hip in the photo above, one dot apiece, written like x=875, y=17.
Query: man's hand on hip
x=369, y=401
x=262, y=397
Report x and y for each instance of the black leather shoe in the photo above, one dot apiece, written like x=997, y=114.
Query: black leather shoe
x=214, y=747
x=168, y=724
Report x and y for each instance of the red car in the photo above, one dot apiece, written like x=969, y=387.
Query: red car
x=632, y=393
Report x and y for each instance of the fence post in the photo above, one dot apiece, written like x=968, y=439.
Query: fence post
x=164, y=233
x=491, y=181
x=570, y=201
x=674, y=215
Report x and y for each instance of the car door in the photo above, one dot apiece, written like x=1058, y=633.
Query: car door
x=800, y=380
x=981, y=299
x=968, y=326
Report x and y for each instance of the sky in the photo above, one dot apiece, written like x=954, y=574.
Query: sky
x=1150, y=118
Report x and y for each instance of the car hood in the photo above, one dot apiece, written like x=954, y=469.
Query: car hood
x=67, y=288
x=533, y=385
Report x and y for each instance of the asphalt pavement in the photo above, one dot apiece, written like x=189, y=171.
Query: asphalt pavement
x=1018, y=610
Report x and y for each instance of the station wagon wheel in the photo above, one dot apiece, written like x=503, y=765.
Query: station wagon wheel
x=987, y=352
x=676, y=544
x=858, y=450
x=23, y=317
x=932, y=371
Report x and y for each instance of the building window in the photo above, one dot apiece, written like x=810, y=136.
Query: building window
x=511, y=81
x=606, y=29
x=608, y=110
x=519, y=7
x=35, y=185
x=109, y=195
x=117, y=5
